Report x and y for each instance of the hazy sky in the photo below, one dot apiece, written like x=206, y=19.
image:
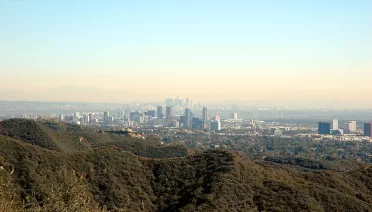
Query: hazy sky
x=209, y=50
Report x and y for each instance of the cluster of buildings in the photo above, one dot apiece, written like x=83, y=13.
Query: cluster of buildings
x=328, y=128
x=156, y=118
x=176, y=113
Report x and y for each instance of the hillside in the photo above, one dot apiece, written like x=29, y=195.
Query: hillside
x=66, y=138
x=114, y=172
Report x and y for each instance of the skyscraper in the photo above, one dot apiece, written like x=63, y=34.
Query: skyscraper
x=105, y=117
x=205, y=114
x=169, y=115
x=169, y=112
x=324, y=128
x=187, y=118
x=159, y=112
x=334, y=124
x=234, y=116
x=90, y=118
x=368, y=129
x=350, y=127
x=151, y=113
x=204, y=117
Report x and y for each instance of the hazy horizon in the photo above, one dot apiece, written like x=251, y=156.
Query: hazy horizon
x=297, y=52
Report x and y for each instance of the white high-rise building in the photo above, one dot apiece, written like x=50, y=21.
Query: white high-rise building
x=235, y=116
x=334, y=124
x=351, y=127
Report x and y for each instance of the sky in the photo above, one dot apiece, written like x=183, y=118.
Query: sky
x=211, y=50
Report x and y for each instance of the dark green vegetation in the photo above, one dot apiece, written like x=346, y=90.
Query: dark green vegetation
x=50, y=169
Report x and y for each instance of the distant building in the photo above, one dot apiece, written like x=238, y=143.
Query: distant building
x=176, y=124
x=160, y=122
x=338, y=132
x=159, y=112
x=234, y=116
x=196, y=123
x=151, y=113
x=110, y=120
x=61, y=117
x=182, y=120
x=205, y=114
x=368, y=129
x=350, y=127
x=278, y=132
x=105, y=117
x=217, y=118
x=216, y=125
x=204, y=117
x=133, y=115
x=90, y=118
x=324, y=128
x=334, y=124
x=187, y=120
x=169, y=112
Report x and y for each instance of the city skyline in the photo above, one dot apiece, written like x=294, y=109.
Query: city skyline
x=306, y=52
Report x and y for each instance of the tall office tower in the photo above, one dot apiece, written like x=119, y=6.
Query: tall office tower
x=354, y=126
x=191, y=105
x=61, y=117
x=216, y=125
x=105, y=116
x=204, y=117
x=234, y=116
x=151, y=113
x=205, y=114
x=368, y=129
x=169, y=112
x=324, y=128
x=187, y=118
x=334, y=124
x=169, y=102
x=350, y=127
x=90, y=118
x=187, y=102
x=159, y=112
